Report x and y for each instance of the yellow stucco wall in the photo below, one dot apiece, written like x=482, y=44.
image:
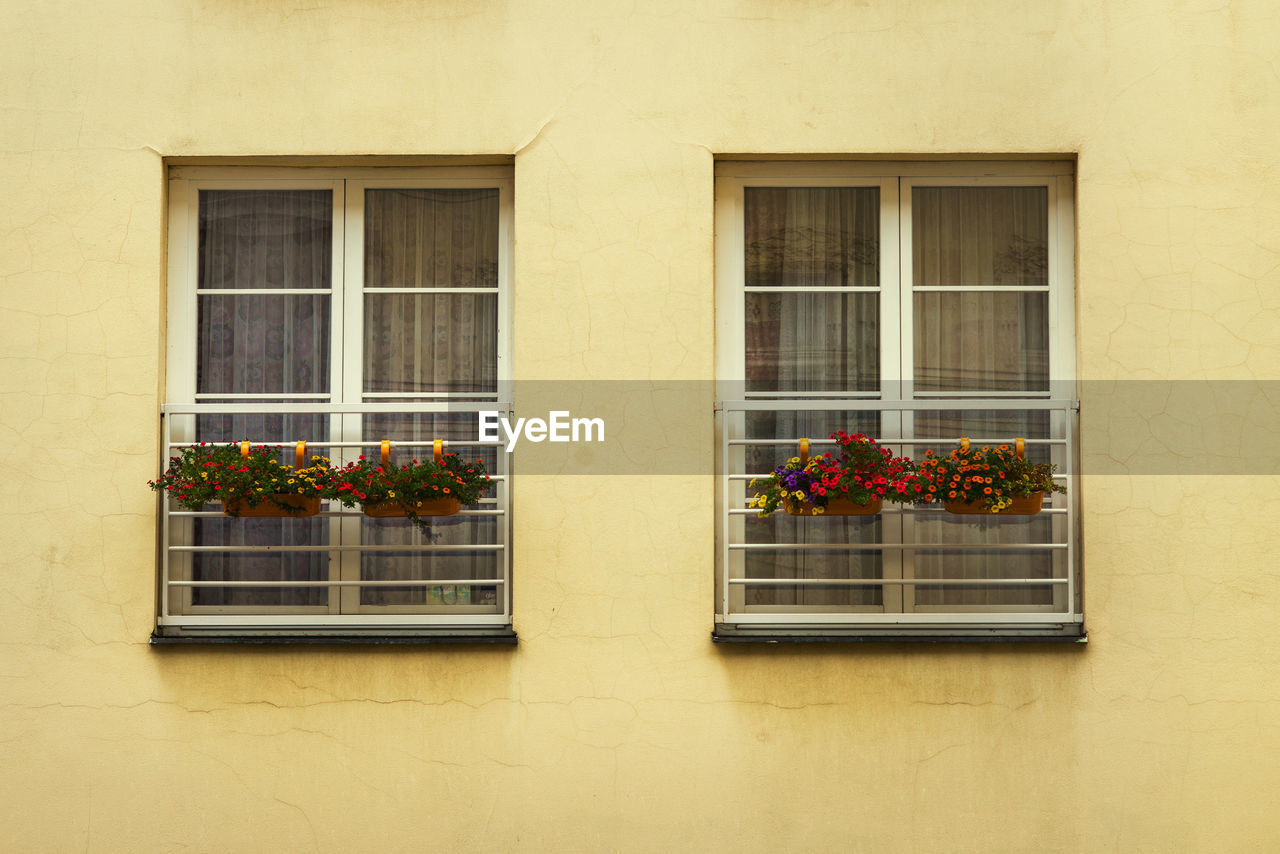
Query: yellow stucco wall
x=616, y=724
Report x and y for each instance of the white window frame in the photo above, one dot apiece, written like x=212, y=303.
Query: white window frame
x=346, y=403
x=896, y=400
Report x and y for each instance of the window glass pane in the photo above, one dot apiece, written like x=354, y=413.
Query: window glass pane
x=987, y=427
x=449, y=566
x=229, y=531
x=812, y=342
x=265, y=238
x=259, y=566
x=988, y=236
x=459, y=429
x=274, y=427
x=430, y=343
x=981, y=341
x=793, y=426
x=815, y=565
x=812, y=236
x=983, y=565
x=478, y=526
x=263, y=344
x=431, y=238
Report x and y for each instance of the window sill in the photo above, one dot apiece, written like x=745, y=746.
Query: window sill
x=1068, y=633
x=482, y=637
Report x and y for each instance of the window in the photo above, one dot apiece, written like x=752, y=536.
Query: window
x=916, y=303
x=343, y=308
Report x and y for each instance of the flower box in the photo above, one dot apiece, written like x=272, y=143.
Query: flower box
x=273, y=507
x=1025, y=506
x=986, y=481
x=835, y=507
x=249, y=481
x=394, y=509
x=418, y=491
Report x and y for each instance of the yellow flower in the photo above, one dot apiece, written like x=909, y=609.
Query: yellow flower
x=391, y=495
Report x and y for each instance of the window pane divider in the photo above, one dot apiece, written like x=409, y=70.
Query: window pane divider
x=429, y=289
x=880, y=582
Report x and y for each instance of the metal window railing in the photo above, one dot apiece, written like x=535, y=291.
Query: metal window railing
x=336, y=542
x=913, y=566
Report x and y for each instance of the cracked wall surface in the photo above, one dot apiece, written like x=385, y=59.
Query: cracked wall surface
x=615, y=724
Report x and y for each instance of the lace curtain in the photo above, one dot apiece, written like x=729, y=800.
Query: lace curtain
x=430, y=263
x=984, y=329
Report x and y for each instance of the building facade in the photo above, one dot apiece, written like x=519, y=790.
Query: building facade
x=716, y=228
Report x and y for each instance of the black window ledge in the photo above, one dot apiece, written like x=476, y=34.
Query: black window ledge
x=1073, y=634
x=480, y=637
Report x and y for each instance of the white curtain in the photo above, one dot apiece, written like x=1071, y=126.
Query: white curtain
x=431, y=339
x=991, y=337
x=800, y=340
x=262, y=345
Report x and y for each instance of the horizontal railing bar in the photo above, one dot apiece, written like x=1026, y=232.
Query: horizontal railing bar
x=788, y=395
x=1017, y=395
x=754, y=511
x=307, y=292
x=289, y=446
x=323, y=514
x=931, y=405
x=404, y=408
x=427, y=290
x=416, y=582
x=417, y=547
x=754, y=476
x=314, y=619
x=812, y=289
x=879, y=582
x=429, y=395
x=985, y=289
x=917, y=547
x=896, y=441
x=317, y=397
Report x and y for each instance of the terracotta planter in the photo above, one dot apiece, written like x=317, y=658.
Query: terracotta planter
x=1028, y=506
x=396, y=510
x=277, y=505
x=273, y=507
x=835, y=507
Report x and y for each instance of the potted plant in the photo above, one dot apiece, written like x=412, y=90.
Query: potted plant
x=249, y=481
x=990, y=480
x=854, y=484
x=416, y=490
